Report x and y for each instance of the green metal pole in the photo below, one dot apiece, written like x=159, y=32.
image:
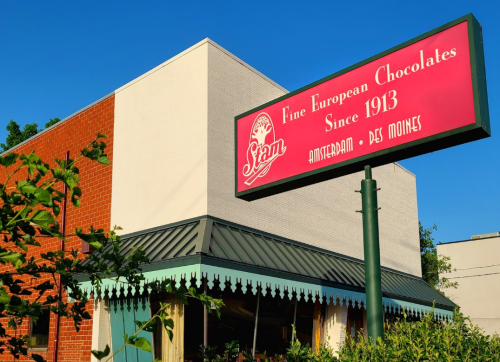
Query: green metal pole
x=373, y=285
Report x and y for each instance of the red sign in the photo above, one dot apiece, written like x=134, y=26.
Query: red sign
x=417, y=92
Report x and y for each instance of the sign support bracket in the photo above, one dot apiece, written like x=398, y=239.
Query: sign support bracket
x=373, y=283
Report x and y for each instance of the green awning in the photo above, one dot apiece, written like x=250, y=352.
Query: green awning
x=220, y=250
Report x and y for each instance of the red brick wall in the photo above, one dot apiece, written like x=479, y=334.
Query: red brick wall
x=95, y=181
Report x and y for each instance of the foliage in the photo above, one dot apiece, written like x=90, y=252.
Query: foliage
x=304, y=353
x=230, y=354
x=276, y=358
x=30, y=204
x=426, y=340
x=209, y=354
x=16, y=135
x=51, y=122
x=433, y=264
x=296, y=352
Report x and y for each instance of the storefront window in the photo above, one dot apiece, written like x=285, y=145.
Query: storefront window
x=237, y=322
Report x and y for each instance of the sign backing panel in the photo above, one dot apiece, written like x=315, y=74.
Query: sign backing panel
x=424, y=95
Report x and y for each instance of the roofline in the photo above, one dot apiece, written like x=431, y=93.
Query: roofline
x=210, y=41
x=189, y=50
x=263, y=233
x=214, y=261
x=230, y=264
x=405, y=169
x=464, y=241
x=57, y=124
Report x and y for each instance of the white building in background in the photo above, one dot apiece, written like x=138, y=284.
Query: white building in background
x=477, y=264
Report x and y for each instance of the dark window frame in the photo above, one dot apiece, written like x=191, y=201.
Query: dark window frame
x=39, y=325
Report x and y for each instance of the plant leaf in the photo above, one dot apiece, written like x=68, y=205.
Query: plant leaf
x=141, y=343
x=42, y=218
x=37, y=357
x=13, y=258
x=101, y=354
x=103, y=160
x=4, y=296
x=42, y=195
x=9, y=159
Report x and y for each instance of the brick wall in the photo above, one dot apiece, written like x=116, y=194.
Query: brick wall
x=95, y=181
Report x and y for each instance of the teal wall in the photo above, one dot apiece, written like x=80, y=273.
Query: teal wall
x=123, y=313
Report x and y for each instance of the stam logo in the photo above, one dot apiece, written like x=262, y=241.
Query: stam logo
x=263, y=148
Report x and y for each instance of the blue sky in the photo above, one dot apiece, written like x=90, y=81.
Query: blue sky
x=59, y=56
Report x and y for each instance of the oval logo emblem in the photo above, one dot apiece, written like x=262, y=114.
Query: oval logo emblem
x=263, y=148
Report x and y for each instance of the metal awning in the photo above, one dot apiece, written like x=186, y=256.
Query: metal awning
x=215, y=249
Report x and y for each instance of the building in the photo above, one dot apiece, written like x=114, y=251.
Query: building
x=298, y=254
x=476, y=265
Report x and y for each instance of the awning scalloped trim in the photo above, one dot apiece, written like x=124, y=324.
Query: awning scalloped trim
x=252, y=281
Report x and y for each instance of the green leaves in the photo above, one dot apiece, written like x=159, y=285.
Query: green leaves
x=95, y=151
x=427, y=339
x=34, y=165
x=211, y=304
x=168, y=323
x=103, y=160
x=301, y=353
x=42, y=196
x=148, y=326
x=95, y=238
x=4, y=296
x=9, y=159
x=28, y=213
x=42, y=218
x=76, y=193
x=434, y=265
x=37, y=357
x=17, y=136
x=15, y=259
x=231, y=351
x=142, y=343
x=209, y=354
x=138, y=342
x=101, y=354
x=26, y=187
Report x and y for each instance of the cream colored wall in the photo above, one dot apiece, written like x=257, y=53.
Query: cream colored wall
x=160, y=145
x=322, y=215
x=101, y=328
x=174, y=159
x=335, y=324
x=477, y=294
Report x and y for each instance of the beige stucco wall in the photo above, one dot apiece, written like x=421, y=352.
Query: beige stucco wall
x=478, y=276
x=322, y=215
x=160, y=146
x=101, y=327
x=335, y=324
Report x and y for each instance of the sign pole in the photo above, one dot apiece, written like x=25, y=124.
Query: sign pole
x=373, y=285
